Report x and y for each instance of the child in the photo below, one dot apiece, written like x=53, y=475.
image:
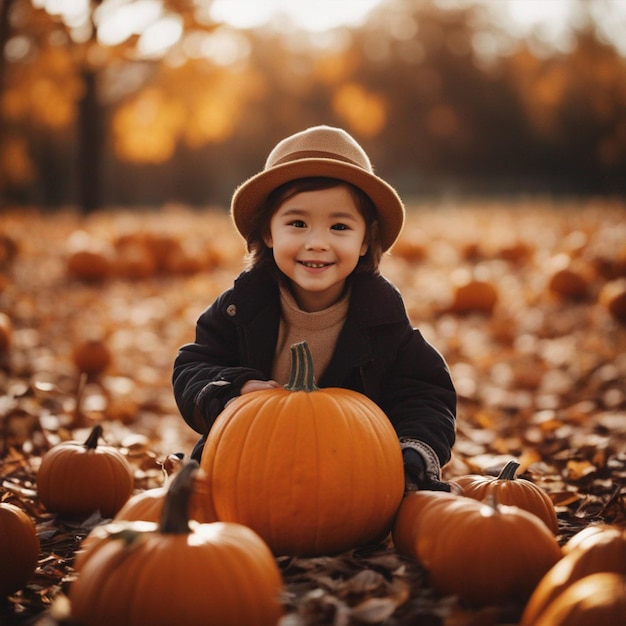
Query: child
x=316, y=222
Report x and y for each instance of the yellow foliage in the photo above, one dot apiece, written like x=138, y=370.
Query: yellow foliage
x=212, y=120
x=50, y=105
x=363, y=111
x=46, y=92
x=146, y=128
x=14, y=103
x=335, y=68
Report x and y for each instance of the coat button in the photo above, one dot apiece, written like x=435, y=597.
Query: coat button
x=231, y=310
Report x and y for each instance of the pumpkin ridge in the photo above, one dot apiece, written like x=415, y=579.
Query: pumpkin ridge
x=232, y=589
x=343, y=431
x=370, y=512
x=253, y=420
x=119, y=492
x=151, y=560
x=242, y=585
x=311, y=410
x=109, y=585
x=287, y=420
x=20, y=548
x=111, y=488
x=240, y=468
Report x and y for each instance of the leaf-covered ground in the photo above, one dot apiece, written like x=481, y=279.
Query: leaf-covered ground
x=537, y=350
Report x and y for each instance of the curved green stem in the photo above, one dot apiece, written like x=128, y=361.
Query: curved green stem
x=302, y=377
x=175, y=514
x=94, y=435
x=508, y=471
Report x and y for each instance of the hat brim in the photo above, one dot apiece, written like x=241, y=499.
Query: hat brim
x=250, y=195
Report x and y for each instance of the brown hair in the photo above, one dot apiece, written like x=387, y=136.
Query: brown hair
x=260, y=255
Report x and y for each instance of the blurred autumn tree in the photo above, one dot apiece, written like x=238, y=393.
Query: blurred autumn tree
x=93, y=73
x=518, y=118
x=178, y=107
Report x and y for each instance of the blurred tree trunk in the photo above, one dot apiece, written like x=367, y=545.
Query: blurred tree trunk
x=90, y=132
x=90, y=144
x=5, y=5
x=5, y=27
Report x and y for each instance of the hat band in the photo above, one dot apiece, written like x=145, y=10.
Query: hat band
x=315, y=154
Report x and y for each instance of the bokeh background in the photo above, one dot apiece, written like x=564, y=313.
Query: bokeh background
x=110, y=103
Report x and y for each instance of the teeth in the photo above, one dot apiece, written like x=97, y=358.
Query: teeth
x=315, y=265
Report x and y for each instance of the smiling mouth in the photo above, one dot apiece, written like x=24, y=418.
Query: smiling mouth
x=314, y=265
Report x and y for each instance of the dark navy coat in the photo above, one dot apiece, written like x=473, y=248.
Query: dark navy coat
x=378, y=353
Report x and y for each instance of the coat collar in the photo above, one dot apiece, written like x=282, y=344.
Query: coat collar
x=374, y=301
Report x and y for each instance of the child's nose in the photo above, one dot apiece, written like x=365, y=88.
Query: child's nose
x=317, y=239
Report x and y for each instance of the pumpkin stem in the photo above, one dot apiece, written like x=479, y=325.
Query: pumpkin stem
x=508, y=471
x=492, y=501
x=92, y=440
x=302, y=376
x=175, y=514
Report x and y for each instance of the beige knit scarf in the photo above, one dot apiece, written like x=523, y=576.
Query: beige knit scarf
x=319, y=329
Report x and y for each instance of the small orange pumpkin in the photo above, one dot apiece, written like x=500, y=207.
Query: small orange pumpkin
x=78, y=479
x=568, y=282
x=595, y=599
x=148, y=505
x=484, y=554
x=582, y=536
x=136, y=573
x=92, y=356
x=603, y=551
x=19, y=548
x=6, y=333
x=613, y=297
x=88, y=257
x=405, y=529
x=474, y=296
x=312, y=471
x=508, y=489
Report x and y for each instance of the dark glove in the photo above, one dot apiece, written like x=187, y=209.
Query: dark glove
x=415, y=473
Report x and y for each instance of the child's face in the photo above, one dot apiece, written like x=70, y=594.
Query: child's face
x=317, y=238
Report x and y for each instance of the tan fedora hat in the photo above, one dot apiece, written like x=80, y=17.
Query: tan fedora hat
x=319, y=151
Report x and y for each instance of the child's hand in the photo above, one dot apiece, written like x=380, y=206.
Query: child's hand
x=416, y=476
x=257, y=385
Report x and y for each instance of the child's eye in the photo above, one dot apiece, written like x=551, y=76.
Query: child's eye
x=340, y=227
x=297, y=224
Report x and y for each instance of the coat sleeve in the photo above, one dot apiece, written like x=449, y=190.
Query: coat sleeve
x=419, y=398
x=207, y=373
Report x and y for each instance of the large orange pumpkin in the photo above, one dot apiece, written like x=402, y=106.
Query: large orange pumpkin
x=19, y=548
x=136, y=573
x=507, y=489
x=601, y=551
x=312, y=471
x=595, y=599
x=77, y=479
x=582, y=537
